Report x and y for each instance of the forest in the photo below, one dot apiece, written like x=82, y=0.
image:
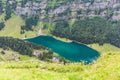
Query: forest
x=90, y=30
x=18, y=45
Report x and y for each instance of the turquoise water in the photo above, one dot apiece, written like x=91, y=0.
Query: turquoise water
x=70, y=50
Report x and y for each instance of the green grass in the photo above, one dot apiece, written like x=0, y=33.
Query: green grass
x=48, y=28
x=10, y=55
x=107, y=67
x=106, y=48
x=2, y=17
x=13, y=27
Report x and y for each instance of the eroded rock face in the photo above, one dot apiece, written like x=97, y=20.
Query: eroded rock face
x=57, y=9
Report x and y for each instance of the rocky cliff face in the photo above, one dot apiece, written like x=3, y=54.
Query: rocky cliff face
x=53, y=10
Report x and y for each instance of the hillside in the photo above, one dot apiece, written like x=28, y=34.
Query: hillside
x=95, y=21
x=107, y=67
x=13, y=28
x=53, y=10
x=13, y=49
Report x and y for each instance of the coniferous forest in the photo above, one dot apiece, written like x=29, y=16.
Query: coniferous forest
x=90, y=30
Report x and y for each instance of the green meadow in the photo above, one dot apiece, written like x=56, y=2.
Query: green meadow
x=107, y=67
x=13, y=27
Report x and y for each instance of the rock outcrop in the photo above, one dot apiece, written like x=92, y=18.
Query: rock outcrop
x=53, y=10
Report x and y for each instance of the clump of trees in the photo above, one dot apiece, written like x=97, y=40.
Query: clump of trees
x=18, y=45
x=1, y=7
x=89, y=30
x=9, y=8
x=8, y=11
x=23, y=2
x=24, y=47
x=30, y=22
x=62, y=29
x=113, y=36
x=46, y=56
x=2, y=25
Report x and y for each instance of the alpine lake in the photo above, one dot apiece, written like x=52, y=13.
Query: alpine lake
x=73, y=51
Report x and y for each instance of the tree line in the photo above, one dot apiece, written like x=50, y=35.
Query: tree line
x=29, y=23
x=25, y=48
x=18, y=45
x=2, y=25
x=90, y=30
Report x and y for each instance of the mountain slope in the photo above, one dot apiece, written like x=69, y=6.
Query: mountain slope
x=13, y=28
x=78, y=20
x=105, y=68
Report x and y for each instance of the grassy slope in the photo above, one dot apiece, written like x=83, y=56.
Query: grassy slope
x=106, y=68
x=106, y=48
x=10, y=55
x=12, y=28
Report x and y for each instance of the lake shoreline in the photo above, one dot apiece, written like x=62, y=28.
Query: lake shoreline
x=72, y=51
x=62, y=39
